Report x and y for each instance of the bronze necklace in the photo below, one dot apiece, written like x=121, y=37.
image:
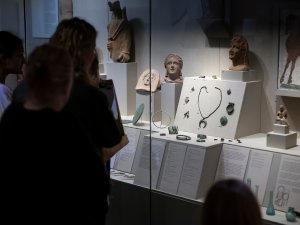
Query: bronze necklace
x=203, y=120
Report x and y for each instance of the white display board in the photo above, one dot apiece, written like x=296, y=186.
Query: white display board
x=233, y=162
x=198, y=171
x=287, y=187
x=124, y=158
x=142, y=176
x=172, y=167
x=204, y=102
x=257, y=171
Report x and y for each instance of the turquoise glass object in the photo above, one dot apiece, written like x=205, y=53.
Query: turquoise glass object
x=270, y=209
x=290, y=214
x=223, y=120
x=138, y=113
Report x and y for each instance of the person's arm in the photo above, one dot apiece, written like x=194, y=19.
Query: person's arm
x=110, y=152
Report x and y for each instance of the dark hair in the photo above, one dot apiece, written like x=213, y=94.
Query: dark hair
x=94, y=69
x=231, y=202
x=8, y=44
x=76, y=36
x=49, y=67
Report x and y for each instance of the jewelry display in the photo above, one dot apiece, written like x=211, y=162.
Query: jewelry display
x=230, y=108
x=173, y=129
x=160, y=126
x=223, y=120
x=203, y=120
x=182, y=137
x=200, y=140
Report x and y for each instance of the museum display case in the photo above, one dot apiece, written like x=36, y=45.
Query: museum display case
x=193, y=113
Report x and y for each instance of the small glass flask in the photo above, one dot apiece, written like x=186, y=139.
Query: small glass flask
x=270, y=209
x=290, y=214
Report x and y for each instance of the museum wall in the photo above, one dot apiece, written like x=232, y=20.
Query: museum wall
x=176, y=27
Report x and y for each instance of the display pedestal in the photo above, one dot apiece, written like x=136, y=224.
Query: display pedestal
x=281, y=137
x=206, y=103
x=170, y=94
x=124, y=76
x=154, y=100
x=238, y=75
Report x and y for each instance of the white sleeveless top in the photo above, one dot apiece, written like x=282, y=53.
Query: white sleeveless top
x=5, y=98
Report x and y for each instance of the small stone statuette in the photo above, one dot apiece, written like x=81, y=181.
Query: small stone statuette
x=173, y=64
x=281, y=116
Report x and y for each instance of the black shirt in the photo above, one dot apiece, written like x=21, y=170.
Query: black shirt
x=51, y=173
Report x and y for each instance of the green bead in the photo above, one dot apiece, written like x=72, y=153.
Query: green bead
x=223, y=120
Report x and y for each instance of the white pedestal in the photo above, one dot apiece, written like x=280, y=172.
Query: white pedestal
x=283, y=141
x=170, y=94
x=124, y=76
x=281, y=129
x=103, y=76
x=146, y=99
x=210, y=100
x=238, y=75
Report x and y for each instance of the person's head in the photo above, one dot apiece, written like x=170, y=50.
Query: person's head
x=49, y=76
x=78, y=37
x=230, y=202
x=11, y=53
x=239, y=50
x=173, y=64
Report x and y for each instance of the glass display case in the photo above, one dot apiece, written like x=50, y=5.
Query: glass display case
x=191, y=119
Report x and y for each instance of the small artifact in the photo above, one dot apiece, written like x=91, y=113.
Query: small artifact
x=229, y=91
x=173, y=64
x=183, y=137
x=149, y=82
x=119, y=34
x=281, y=117
x=270, y=209
x=138, y=113
x=186, y=115
x=290, y=214
x=214, y=76
x=162, y=134
x=239, y=53
x=223, y=120
x=230, y=108
x=200, y=140
x=173, y=129
x=186, y=100
x=201, y=136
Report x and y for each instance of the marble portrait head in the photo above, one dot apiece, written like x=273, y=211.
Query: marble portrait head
x=173, y=64
x=239, y=53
